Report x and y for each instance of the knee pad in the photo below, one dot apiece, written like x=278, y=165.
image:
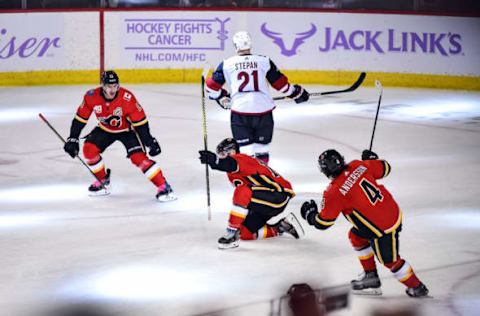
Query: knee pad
x=242, y=196
x=141, y=160
x=246, y=234
x=90, y=151
x=357, y=241
x=395, y=266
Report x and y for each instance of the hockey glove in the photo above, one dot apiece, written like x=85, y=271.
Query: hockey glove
x=71, y=147
x=207, y=157
x=299, y=94
x=369, y=155
x=224, y=100
x=154, y=147
x=309, y=210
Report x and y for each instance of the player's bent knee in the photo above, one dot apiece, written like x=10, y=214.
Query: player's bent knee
x=246, y=234
x=357, y=241
x=90, y=151
x=139, y=159
x=394, y=266
x=242, y=196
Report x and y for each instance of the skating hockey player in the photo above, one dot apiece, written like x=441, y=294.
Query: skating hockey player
x=374, y=214
x=120, y=117
x=248, y=77
x=260, y=194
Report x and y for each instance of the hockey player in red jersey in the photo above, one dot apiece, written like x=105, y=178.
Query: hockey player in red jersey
x=260, y=194
x=120, y=117
x=374, y=214
x=248, y=77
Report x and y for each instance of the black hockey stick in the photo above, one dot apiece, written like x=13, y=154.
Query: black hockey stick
x=353, y=87
x=63, y=141
x=205, y=143
x=379, y=85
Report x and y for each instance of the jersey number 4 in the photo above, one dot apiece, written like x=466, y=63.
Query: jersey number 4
x=372, y=192
x=245, y=78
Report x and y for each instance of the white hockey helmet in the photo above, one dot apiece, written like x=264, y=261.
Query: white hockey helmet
x=242, y=41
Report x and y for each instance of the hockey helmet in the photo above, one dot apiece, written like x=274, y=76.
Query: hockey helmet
x=110, y=77
x=242, y=41
x=226, y=145
x=303, y=300
x=331, y=163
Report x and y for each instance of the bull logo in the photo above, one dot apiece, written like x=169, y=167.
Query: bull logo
x=299, y=39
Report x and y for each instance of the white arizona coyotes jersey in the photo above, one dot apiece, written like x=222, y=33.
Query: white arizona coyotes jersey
x=248, y=78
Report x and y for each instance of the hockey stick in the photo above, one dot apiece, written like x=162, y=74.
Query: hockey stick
x=353, y=87
x=204, y=123
x=63, y=141
x=379, y=85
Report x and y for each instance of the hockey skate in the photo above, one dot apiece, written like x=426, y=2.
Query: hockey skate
x=230, y=239
x=165, y=193
x=290, y=225
x=103, y=188
x=368, y=283
x=419, y=291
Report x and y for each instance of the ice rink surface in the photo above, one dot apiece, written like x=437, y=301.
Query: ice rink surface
x=128, y=254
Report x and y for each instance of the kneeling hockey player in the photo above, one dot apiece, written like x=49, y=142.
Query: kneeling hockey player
x=260, y=194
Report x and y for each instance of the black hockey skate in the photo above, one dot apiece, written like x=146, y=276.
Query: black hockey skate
x=230, y=239
x=368, y=283
x=419, y=291
x=165, y=193
x=103, y=188
x=290, y=225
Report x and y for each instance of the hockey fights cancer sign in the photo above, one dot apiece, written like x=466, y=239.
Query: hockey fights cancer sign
x=162, y=40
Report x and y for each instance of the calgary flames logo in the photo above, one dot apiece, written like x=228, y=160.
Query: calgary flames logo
x=299, y=39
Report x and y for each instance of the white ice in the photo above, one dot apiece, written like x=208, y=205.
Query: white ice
x=128, y=254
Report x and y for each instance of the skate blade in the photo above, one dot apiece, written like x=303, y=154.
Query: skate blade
x=232, y=245
x=167, y=197
x=99, y=193
x=292, y=219
x=368, y=292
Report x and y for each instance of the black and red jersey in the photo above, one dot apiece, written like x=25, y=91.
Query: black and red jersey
x=114, y=116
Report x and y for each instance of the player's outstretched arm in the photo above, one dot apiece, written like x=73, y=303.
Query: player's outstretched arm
x=227, y=164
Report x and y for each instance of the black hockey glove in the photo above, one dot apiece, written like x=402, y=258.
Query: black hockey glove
x=309, y=210
x=207, y=157
x=299, y=94
x=71, y=147
x=369, y=155
x=224, y=100
x=154, y=147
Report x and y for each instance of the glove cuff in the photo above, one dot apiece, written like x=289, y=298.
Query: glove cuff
x=311, y=217
x=72, y=140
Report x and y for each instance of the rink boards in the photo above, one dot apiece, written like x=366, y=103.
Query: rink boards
x=160, y=46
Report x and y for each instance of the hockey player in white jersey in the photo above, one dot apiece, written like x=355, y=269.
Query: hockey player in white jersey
x=248, y=77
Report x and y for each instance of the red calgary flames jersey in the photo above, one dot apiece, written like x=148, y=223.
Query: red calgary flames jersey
x=365, y=203
x=251, y=172
x=114, y=116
